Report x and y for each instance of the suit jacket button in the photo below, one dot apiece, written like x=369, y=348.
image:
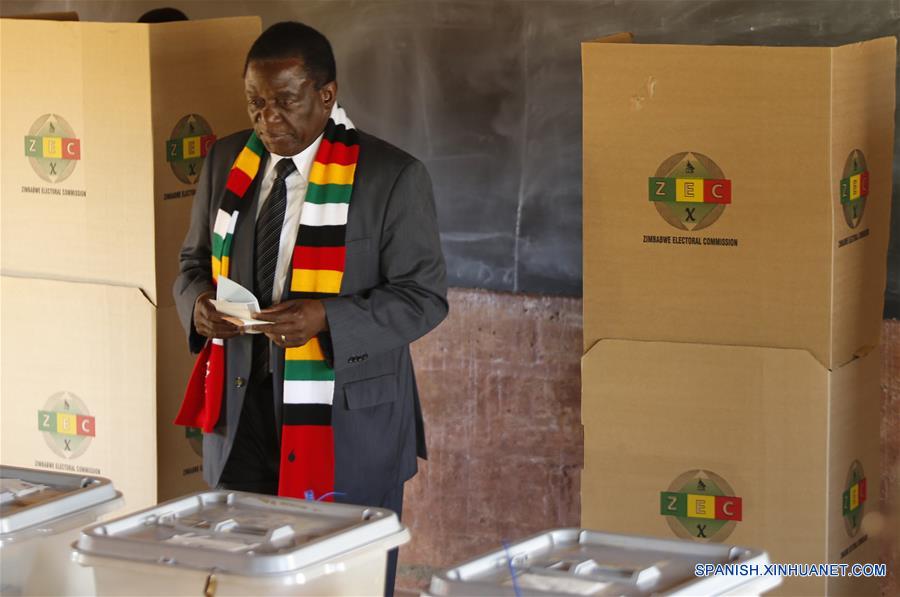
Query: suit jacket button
x=239, y=382
x=365, y=356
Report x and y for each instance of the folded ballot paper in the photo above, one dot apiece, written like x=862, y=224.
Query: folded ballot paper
x=237, y=303
x=13, y=489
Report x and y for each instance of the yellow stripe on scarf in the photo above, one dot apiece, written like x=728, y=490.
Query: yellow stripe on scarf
x=331, y=173
x=220, y=268
x=316, y=280
x=311, y=351
x=248, y=162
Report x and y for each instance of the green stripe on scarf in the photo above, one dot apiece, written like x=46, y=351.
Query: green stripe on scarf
x=328, y=193
x=308, y=370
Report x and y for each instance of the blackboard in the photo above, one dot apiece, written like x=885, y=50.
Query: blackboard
x=488, y=95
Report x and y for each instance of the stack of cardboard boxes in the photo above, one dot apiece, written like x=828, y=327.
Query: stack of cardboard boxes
x=105, y=127
x=736, y=221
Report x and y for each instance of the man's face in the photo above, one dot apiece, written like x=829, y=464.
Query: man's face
x=287, y=111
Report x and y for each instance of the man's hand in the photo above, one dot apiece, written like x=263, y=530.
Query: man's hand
x=211, y=323
x=293, y=322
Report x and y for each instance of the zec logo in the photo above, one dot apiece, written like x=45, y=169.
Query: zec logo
x=67, y=425
x=853, y=500
x=700, y=504
x=689, y=191
x=52, y=148
x=854, y=188
x=188, y=146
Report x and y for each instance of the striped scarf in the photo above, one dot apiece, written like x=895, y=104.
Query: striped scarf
x=307, y=440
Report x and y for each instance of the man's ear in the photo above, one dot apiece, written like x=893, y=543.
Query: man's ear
x=328, y=93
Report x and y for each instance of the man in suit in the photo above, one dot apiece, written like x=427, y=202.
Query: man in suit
x=393, y=288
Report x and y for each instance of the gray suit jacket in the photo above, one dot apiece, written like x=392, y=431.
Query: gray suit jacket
x=393, y=292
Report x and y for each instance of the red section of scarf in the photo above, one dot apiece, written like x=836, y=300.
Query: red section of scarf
x=238, y=182
x=307, y=462
x=339, y=153
x=330, y=258
x=203, y=397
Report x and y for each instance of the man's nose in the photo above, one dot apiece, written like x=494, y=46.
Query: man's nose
x=270, y=114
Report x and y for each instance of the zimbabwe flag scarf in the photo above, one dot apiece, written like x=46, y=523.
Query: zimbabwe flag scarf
x=307, y=441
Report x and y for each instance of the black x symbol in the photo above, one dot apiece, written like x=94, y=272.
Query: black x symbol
x=690, y=214
x=700, y=529
x=192, y=171
x=52, y=168
x=68, y=446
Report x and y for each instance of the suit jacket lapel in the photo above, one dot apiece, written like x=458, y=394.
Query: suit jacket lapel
x=241, y=271
x=243, y=266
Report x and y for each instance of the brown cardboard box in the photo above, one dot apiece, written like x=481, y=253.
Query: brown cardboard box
x=713, y=194
x=104, y=127
x=772, y=430
x=78, y=382
x=125, y=366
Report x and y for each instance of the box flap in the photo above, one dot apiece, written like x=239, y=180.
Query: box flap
x=598, y=346
x=623, y=37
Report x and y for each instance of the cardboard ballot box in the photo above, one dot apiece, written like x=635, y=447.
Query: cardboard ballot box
x=736, y=220
x=105, y=128
x=738, y=195
x=736, y=444
x=92, y=377
x=79, y=382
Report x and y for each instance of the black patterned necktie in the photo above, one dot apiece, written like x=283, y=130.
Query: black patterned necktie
x=268, y=232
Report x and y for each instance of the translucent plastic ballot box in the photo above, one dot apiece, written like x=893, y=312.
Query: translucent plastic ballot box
x=41, y=513
x=234, y=543
x=583, y=562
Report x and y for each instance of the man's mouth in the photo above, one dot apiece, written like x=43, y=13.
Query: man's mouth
x=272, y=135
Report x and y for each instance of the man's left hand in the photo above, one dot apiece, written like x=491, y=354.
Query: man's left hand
x=294, y=322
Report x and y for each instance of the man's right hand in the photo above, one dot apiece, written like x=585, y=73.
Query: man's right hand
x=211, y=323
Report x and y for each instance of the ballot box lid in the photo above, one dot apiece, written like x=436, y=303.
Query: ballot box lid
x=35, y=500
x=241, y=533
x=584, y=562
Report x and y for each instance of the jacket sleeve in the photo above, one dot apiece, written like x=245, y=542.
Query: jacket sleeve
x=195, y=275
x=412, y=297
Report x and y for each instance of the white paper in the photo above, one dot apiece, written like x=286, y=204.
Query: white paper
x=236, y=301
x=11, y=489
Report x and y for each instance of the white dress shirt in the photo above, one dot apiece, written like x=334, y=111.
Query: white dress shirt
x=296, y=184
